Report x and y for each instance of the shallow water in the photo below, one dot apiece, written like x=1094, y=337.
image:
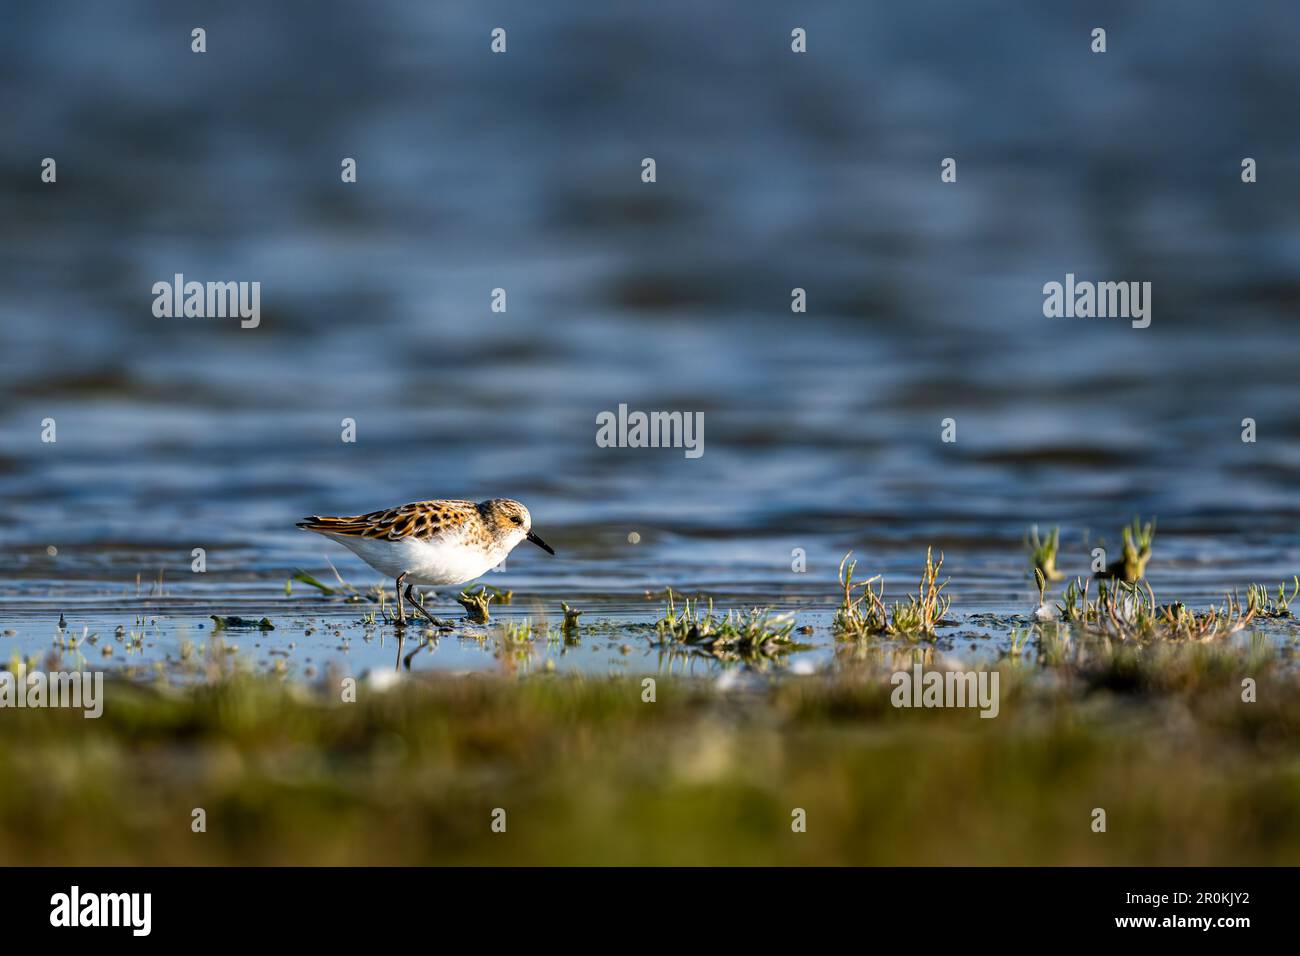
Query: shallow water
x=522, y=172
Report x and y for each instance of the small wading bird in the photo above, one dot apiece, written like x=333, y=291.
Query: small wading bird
x=432, y=542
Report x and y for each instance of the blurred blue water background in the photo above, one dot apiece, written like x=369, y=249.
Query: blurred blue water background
x=775, y=171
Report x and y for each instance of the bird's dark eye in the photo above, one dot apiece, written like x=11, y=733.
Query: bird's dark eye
x=517, y=520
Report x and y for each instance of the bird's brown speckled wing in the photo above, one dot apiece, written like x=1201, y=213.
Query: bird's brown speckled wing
x=420, y=519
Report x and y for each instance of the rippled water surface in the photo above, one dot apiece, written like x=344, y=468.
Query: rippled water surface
x=522, y=172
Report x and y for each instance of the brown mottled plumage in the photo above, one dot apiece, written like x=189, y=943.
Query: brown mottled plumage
x=419, y=519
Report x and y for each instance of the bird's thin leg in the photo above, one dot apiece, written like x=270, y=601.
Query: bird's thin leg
x=401, y=609
x=418, y=606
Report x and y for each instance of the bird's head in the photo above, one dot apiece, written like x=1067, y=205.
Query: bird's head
x=510, y=520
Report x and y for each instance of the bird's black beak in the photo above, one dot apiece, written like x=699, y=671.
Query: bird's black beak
x=540, y=543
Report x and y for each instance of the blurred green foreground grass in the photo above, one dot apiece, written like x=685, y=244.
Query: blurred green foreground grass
x=587, y=772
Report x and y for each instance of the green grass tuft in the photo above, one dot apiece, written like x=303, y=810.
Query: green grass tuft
x=863, y=612
x=753, y=632
x=1043, y=551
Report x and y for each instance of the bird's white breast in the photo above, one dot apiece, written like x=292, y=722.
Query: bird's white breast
x=437, y=562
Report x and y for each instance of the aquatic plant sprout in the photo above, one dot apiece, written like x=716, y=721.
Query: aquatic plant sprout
x=754, y=631
x=1273, y=605
x=570, y=627
x=1129, y=611
x=1137, y=538
x=864, y=613
x=476, y=604
x=1043, y=551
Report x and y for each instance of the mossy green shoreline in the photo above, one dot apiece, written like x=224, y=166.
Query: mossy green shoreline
x=588, y=772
